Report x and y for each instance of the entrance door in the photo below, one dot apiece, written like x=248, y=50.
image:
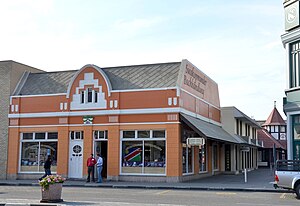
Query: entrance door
x=76, y=159
x=101, y=148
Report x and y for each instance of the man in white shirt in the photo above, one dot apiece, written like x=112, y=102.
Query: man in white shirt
x=99, y=167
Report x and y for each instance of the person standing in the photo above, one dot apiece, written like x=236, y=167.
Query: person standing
x=47, y=167
x=99, y=167
x=91, y=161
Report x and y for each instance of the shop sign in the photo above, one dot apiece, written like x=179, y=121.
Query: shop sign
x=88, y=120
x=195, y=141
x=245, y=149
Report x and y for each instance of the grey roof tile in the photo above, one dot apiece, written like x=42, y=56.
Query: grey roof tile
x=123, y=77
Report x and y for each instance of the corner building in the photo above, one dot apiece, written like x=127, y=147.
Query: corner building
x=137, y=117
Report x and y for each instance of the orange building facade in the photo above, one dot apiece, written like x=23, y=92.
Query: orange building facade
x=137, y=117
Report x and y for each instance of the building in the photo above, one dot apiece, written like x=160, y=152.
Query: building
x=291, y=43
x=10, y=74
x=152, y=122
x=244, y=129
x=273, y=138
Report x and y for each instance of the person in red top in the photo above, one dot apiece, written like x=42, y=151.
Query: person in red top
x=91, y=161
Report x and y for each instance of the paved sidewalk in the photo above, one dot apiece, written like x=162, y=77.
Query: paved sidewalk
x=257, y=180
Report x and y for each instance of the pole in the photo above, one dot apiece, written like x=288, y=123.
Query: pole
x=245, y=175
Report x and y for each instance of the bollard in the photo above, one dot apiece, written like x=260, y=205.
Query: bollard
x=245, y=175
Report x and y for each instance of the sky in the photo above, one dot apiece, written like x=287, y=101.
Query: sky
x=237, y=43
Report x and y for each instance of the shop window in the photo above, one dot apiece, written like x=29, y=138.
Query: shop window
x=142, y=156
x=202, y=158
x=187, y=159
x=34, y=152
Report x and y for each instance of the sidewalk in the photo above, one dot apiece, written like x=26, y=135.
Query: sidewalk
x=257, y=181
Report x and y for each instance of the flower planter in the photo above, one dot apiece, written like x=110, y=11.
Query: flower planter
x=52, y=194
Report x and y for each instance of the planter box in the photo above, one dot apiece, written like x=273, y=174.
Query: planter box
x=52, y=194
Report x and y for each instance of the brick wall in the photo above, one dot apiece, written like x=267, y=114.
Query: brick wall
x=5, y=68
x=10, y=74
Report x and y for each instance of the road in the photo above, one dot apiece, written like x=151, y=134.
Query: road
x=111, y=196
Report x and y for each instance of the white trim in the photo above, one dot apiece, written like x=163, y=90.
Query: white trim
x=142, y=90
x=107, y=124
x=201, y=99
x=97, y=112
x=114, y=112
x=38, y=95
x=98, y=69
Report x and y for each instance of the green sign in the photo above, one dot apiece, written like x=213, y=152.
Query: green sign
x=88, y=120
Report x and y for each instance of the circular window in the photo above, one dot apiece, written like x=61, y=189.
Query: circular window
x=77, y=149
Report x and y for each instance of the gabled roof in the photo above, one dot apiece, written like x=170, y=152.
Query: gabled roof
x=274, y=118
x=145, y=76
x=268, y=139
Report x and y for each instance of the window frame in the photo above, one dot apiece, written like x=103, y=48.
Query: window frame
x=39, y=141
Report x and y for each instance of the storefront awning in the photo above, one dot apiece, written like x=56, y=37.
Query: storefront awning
x=209, y=130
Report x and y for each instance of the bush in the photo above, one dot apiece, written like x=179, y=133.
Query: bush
x=51, y=179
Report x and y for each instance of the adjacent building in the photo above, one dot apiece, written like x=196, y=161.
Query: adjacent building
x=291, y=42
x=151, y=122
x=273, y=138
x=10, y=74
x=244, y=129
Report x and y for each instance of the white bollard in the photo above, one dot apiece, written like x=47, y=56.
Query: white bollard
x=245, y=175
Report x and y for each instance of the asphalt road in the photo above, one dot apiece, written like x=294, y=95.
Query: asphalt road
x=110, y=196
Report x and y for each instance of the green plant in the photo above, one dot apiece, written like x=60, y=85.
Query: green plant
x=51, y=179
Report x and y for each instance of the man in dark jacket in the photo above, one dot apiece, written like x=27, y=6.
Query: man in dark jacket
x=47, y=167
x=91, y=161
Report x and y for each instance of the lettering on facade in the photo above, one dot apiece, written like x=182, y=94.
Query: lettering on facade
x=194, y=80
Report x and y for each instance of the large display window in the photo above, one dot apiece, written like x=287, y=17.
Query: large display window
x=35, y=148
x=143, y=152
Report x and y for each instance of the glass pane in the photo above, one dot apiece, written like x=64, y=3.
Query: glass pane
x=296, y=132
x=27, y=135
x=96, y=134
x=128, y=134
x=71, y=135
x=29, y=156
x=184, y=158
x=48, y=148
x=154, y=157
x=52, y=135
x=202, y=158
x=190, y=160
x=132, y=152
x=143, y=134
x=90, y=93
x=159, y=134
x=40, y=135
x=96, y=96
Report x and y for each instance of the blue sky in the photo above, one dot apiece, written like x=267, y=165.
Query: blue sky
x=235, y=42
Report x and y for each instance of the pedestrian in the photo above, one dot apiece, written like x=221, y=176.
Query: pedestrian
x=99, y=167
x=47, y=167
x=91, y=161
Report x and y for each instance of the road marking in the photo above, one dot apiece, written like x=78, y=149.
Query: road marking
x=282, y=196
x=163, y=192
x=226, y=193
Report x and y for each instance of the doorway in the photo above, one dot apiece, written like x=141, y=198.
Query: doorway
x=100, y=146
